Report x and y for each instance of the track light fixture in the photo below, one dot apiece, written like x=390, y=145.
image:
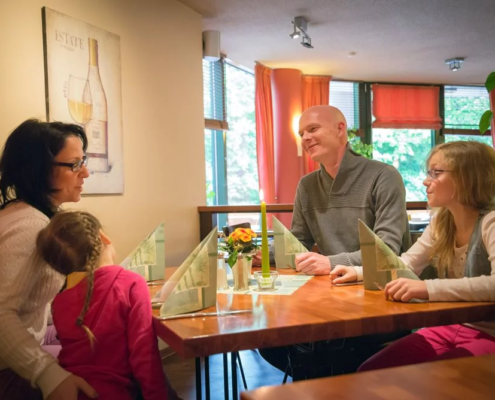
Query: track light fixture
x=454, y=63
x=301, y=30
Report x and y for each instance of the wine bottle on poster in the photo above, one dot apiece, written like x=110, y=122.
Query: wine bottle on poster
x=97, y=127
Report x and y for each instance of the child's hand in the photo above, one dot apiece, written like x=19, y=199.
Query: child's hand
x=342, y=274
x=404, y=290
x=70, y=388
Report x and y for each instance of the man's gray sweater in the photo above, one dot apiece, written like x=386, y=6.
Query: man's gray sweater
x=326, y=211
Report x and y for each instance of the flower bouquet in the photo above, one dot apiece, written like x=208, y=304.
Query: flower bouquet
x=241, y=241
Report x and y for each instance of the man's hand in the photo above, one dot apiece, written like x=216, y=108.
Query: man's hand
x=313, y=264
x=342, y=274
x=70, y=387
x=404, y=290
x=257, y=259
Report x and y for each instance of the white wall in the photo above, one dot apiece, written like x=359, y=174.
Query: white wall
x=162, y=110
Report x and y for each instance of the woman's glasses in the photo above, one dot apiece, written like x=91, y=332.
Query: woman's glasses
x=434, y=173
x=75, y=166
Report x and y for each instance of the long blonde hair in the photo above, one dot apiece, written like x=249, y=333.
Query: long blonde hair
x=70, y=243
x=473, y=172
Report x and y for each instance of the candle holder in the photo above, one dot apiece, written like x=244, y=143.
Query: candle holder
x=266, y=283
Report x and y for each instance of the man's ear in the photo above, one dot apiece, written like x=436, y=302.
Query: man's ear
x=104, y=238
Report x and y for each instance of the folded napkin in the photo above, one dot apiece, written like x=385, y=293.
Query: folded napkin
x=380, y=263
x=286, y=246
x=193, y=286
x=148, y=259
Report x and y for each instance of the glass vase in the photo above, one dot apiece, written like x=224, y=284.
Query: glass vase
x=222, y=283
x=241, y=273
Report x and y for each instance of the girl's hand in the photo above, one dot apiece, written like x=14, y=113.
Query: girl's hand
x=342, y=274
x=404, y=290
x=70, y=387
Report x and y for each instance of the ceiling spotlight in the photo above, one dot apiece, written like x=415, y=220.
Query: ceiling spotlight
x=301, y=29
x=454, y=63
x=295, y=34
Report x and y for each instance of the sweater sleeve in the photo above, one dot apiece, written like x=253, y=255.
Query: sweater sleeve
x=144, y=358
x=418, y=256
x=389, y=196
x=480, y=288
x=299, y=227
x=19, y=267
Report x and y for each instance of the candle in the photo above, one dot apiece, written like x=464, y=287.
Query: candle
x=265, y=255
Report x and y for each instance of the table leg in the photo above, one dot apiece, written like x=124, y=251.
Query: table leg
x=198, y=378
x=207, y=378
x=233, y=362
x=226, y=375
x=242, y=371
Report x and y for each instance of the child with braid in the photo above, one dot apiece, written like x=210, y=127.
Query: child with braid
x=103, y=316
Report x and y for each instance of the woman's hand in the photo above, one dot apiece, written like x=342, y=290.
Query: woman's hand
x=70, y=387
x=342, y=274
x=404, y=290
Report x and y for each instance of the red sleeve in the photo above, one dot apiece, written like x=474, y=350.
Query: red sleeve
x=145, y=359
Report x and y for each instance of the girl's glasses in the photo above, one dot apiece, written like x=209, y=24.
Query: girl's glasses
x=434, y=173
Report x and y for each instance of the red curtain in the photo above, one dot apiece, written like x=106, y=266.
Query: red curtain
x=406, y=107
x=264, y=132
x=316, y=92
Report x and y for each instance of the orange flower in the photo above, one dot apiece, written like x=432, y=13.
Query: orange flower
x=245, y=238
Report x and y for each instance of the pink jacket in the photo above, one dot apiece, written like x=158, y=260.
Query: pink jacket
x=125, y=352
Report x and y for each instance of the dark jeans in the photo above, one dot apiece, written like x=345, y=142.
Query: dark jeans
x=13, y=387
x=329, y=357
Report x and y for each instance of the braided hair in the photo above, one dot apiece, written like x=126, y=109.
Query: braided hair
x=70, y=243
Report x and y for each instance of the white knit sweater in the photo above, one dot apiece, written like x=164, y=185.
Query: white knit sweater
x=27, y=285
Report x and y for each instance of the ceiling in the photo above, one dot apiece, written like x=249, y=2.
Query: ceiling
x=394, y=40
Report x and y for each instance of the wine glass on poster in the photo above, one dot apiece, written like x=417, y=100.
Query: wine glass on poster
x=79, y=100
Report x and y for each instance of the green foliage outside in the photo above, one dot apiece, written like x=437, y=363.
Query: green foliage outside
x=464, y=112
x=357, y=144
x=240, y=142
x=242, y=167
x=406, y=150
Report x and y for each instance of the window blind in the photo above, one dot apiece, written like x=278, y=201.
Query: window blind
x=464, y=106
x=214, y=95
x=345, y=96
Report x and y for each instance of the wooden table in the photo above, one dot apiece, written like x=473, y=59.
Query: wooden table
x=316, y=311
x=462, y=378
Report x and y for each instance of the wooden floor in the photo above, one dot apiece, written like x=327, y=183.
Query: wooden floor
x=258, y=373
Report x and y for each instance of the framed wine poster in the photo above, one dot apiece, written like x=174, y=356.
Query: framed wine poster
x=83, y=86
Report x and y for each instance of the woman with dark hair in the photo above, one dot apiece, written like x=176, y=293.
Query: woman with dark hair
x=42, y=166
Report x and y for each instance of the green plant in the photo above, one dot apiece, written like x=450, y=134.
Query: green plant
x=486, y=118
x=357, y=145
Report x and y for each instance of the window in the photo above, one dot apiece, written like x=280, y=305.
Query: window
x=242, y=167
x=406, y=150
x=464, y=106
x=345, y=96
x=230, y=137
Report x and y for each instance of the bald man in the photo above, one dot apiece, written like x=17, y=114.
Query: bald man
x=346, y=188
x=327, y=207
